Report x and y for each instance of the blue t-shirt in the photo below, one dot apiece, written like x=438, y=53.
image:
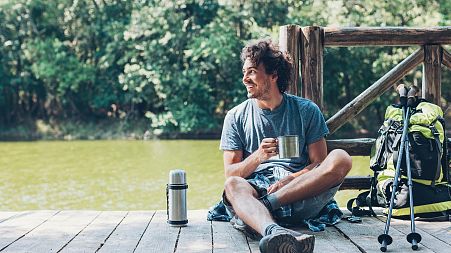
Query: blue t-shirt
x=246, y=125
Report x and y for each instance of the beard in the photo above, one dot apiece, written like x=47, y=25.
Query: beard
x=261, y=93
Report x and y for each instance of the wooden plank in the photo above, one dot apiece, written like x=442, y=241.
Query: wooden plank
x=379, y=87
x=227, y=239
x=312, y=63
x=431, y=88
x=289, y=42
x=159, y=236
x=440, y=230
x=436, y=236
x=8, y=215
x=95, y=234
x=365, y=235
x=387, y=36
x=129, y=232
x=330, y=240
x=354, y=147
x=253, y=245
x=20, y=225
x=197, y=236
x=446, y=58
x=52, y=235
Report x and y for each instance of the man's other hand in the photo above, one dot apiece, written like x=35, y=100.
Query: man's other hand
x=279, y=184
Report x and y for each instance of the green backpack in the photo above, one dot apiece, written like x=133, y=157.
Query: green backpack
x=429, y=162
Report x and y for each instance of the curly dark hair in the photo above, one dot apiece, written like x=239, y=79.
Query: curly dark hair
x=275, y=61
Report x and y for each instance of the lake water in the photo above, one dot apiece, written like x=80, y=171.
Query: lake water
x=114, y=175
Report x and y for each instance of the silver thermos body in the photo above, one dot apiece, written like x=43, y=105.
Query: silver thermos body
x=176, y=198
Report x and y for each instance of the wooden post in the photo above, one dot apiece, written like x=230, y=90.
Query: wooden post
x=446, y=58
x=359, y=103
x=312, y=38
x=431, y=86
x=289, y=42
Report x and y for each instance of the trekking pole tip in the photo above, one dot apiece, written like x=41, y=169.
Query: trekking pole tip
x=384, y=240
x=414, y=239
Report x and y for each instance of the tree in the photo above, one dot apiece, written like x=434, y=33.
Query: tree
x=177, y=62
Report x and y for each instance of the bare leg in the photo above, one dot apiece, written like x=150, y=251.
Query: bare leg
x=330, y=173
x=243, y=198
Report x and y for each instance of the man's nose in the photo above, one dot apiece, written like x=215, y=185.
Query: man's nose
x=245, y=78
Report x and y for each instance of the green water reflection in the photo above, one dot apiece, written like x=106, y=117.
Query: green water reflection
x=113, y=175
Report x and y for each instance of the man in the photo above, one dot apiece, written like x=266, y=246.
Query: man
x=261, y=189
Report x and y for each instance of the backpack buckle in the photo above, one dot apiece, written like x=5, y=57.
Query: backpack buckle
x=434, y=130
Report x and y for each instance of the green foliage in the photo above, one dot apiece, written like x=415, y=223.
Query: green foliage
x=176, y=63
x=351, y=70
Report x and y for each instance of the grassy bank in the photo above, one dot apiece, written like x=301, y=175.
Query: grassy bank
x=75, y=130
x=111, y=129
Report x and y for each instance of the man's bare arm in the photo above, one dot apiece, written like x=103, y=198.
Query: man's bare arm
x=317, y=153
x=234, y=165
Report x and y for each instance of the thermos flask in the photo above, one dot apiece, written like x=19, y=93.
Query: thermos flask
x=176, y=198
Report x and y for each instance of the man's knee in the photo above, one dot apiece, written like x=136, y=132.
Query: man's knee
x=233, y=184
x=238, y=187
x=342, y=163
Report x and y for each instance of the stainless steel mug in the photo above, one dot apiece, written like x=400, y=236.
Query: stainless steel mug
x=176, y=199
x=288, y=146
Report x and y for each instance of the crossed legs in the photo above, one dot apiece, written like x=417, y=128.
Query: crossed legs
x=243, y=196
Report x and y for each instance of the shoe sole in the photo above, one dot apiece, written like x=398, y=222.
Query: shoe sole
x=307, y=243
x=286, y=243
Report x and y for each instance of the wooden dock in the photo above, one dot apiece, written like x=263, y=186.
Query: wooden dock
x=147, y=231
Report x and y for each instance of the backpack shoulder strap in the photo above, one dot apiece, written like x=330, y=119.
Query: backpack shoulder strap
x=445, y=159
x=360, y=201
x=364, y=199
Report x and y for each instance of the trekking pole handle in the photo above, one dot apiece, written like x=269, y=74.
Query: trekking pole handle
x=411, y=96
x=402, y=94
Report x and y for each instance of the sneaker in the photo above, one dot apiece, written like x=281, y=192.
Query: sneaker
x=239, y=225
x=286, y=242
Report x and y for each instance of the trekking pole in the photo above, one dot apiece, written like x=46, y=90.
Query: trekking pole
x=413, y=238
x=385, y=239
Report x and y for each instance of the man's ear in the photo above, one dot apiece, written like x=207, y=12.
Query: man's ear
x=274, y=76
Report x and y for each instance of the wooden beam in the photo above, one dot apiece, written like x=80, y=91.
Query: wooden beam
x=386, y=36
x=356, y=183
x=354, y=147
x=431, y=87
x=371, y=93
x=289, y=42
x=446, y=58
x=312, y=63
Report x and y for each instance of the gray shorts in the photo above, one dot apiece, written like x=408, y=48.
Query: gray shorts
x=291, y=214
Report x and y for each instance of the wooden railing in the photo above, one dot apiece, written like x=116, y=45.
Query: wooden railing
x=306, y=46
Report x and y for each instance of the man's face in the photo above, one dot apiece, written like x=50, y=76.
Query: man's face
x=257, y=82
